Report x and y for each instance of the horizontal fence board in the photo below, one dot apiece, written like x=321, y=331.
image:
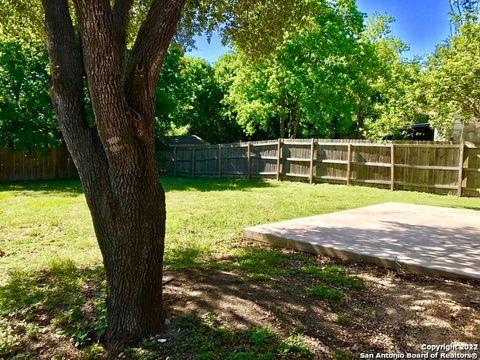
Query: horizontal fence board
x=418, y=145
x=298, y=175
x=379, y=182
x=452, y=187
x=428, y=167
x=333, y=178
x=334, y=161
x=372, y=164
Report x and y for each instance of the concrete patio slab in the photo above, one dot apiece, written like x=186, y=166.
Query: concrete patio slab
x=421, y=239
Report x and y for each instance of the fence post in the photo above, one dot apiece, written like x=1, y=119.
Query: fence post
x=279, y=155
x=174, y=161
x=13, y=177
x=57, y=157
x=461, y=149
x=220, y=161
x=193, y=162
x=392, y=166
x=312, y=158
x=349, y=164
x=249, y=158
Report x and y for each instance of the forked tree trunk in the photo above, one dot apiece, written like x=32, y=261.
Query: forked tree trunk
x=115, y=158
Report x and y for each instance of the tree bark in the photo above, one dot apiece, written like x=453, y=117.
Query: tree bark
x=297, y=119
x=116, y=157
x=360, y=120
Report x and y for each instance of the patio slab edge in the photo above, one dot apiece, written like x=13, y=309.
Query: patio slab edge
x=252, y=233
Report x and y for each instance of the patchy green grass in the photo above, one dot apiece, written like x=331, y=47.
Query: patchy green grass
x=342, y=355
x=333, y=295
x=335, y=275
x=52, y=281
x=334, y=279
x=212, y=339
x=60, y=302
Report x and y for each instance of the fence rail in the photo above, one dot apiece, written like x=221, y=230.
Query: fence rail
x=436, y=167
x=23, y=165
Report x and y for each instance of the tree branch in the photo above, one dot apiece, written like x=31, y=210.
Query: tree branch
x=67, y=67
x=149, y=52
x=121, y=18
x=104, y=70
x=67, y=93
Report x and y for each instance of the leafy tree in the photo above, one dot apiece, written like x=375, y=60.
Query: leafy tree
x=463, y=12
x=250, y=99
x=398, y=98
x=26, y=114
x=452, y=80
x=315, y=83
x=115, y=155
x=332, y=65
x=189, y=97
x=225, y=71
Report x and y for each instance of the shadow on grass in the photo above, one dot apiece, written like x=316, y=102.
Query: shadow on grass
x=56, y=310
x=210, y=337
x=60, y=313
x=205, y=185
x=74, y=187
x=45, y=187
x=325, y=299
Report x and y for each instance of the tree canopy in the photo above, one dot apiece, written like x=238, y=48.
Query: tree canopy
x=327, y=72
x=452, y=79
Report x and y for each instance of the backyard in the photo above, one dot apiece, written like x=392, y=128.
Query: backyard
x=230, y=299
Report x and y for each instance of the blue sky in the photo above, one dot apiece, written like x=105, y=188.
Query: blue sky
x=420, y=23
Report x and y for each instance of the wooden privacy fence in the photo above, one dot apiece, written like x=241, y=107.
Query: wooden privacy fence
x=418, y=166
x=23, y=165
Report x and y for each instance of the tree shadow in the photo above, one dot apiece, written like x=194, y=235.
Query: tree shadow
x=209, y=336
x=206, y=185
x=394, y=312
x=45, y=187
x=55, y=311
x=74, y=187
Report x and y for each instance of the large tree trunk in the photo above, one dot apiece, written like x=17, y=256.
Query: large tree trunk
x=131, y=233
x=115, y=158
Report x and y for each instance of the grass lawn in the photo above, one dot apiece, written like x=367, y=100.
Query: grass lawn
x=223, y=303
